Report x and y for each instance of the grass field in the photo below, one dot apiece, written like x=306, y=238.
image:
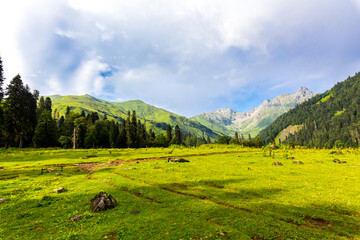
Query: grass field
x=222, y=193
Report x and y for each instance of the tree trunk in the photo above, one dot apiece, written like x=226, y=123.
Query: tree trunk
x=74, y=140
x=21, y=141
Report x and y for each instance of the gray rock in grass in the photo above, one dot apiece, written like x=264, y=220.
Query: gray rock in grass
x=102, y=202
x=75, y=218
x=277, y=163
x=59, y=190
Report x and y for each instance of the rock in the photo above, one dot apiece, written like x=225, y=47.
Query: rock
x=338, y=161
x=277, y=163
x=58, y=174
x=338, y=152
x=59, y=190
x=178, y=160
x=75, y=218
x=50, y=170
x=102, y=202
x=135, y=212
x=2, y=200
x=298, y=162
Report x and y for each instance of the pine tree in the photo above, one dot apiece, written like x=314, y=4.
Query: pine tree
x=168, y=133
x=20, y=108
x=208, y=140
x=236, y=136
x=47, y=104
x=177, y=136
x=46, y=132
x=2, y=79
x=1, y=97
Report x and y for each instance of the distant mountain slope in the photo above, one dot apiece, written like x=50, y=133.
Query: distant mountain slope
x=156, y=118
x=227, y=121
x=327, y=118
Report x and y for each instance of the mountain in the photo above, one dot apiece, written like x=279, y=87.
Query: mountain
x=227, y=121
x=326, y=120
x=156, y=118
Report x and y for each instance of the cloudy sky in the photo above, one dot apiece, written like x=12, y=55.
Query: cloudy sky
x=187, y=56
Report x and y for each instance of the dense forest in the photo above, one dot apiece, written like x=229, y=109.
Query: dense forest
x=331, y=119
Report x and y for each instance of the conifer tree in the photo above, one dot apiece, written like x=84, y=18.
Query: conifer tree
x=46, y=132
x=40, y=107
x=20, y=106
x=47, y=104
x=2, y=79
x=177, y=136
x=168, y=133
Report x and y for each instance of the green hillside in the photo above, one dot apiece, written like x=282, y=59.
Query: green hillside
x=156, y=118
x=328, y=119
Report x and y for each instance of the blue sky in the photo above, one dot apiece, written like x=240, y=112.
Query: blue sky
x=188, y=56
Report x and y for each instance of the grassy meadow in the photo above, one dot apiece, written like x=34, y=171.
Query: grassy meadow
x=224, y=192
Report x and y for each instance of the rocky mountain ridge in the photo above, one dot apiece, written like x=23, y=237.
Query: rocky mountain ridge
x=227, y=121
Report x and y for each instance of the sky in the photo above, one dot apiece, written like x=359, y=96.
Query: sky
x=188, y=56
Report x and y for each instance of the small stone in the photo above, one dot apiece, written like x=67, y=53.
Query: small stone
x=298, y=162
x=58, y=174
x=50, y=170
x=277, y=163
x=2, y=200
x=59, y=190
x=135, y=212
x=75, y=218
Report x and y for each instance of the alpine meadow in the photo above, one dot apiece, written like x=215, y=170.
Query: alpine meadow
x=179, y=120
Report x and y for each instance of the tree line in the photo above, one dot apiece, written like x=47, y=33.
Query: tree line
x=240, y=140
x=28, y=120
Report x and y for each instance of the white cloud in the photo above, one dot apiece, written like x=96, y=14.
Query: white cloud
x=190, y=55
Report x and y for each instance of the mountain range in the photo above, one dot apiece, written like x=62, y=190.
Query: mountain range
x=227, y=121
x=219, y=122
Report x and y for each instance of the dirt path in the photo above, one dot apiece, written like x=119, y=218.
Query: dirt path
x=91, y=166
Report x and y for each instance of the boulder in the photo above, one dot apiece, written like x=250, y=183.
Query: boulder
x=102, y=202
x=277, y=163
x=59, y=190
x=178, y=160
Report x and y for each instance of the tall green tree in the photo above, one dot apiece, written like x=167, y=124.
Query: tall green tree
x=177, y=136
x=20, y=106
x=46, y=132
x=168, y=133
x=2, y=78
x=48, y=104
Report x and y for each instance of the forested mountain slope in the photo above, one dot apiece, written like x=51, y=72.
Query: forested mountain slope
x=156, y=118
x=328, y=119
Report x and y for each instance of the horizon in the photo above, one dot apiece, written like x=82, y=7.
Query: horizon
x=186, y=57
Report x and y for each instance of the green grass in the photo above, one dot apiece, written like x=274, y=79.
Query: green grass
x=224, y=192
x=324, y=99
